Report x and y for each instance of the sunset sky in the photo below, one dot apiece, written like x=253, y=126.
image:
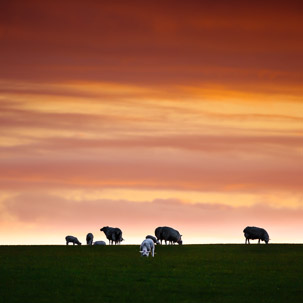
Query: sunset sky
x=140, y=114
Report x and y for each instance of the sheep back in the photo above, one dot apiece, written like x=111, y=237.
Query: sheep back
x=99, y=243
x=152, y=238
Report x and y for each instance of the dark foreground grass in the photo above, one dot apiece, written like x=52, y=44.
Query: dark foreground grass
x=189, y=273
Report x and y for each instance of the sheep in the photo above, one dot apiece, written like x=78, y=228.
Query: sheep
x=158, y=231
x=113, y=234
x=89, y=239
x=152, y=238
x=99, y=243
x=146, y=247
x=72, y=239
x=171, y=235
x=252, y=233
x=168, y=234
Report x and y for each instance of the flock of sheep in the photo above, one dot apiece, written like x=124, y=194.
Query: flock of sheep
x=168, y=234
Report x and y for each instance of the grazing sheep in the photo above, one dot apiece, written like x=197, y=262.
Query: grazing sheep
x=113, y=234
x=252, y=233
x=99, y=243
x=72, y=239
x=168, y=234
x=152, y=238
x=171, y=235
x=146, y=247
x=89, y=239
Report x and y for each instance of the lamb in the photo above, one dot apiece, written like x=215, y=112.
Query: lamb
x=168, y=234
x=252, y=233
x=99, y=243
x=72, y=239
x=89, y=239
x=113, y=234
x=152, y=238
x=146, y=247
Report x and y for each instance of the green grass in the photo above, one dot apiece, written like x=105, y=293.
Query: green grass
x=189, y=273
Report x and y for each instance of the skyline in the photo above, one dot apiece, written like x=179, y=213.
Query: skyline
x=113, y=113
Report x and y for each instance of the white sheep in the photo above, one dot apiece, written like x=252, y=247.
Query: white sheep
x=146, y=247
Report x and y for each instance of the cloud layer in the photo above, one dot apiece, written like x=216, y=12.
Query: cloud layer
x=163, y=42
x=189, y=111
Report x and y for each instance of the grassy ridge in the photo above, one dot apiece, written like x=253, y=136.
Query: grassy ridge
x=189, y=273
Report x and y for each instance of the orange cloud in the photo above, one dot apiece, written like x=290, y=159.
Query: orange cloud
x=133, y=167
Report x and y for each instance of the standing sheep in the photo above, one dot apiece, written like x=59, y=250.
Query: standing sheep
x=89, y=239
x=171, y=235
x=168, y=234
x=72, y=239
x=113, y=234
x=252, y=233
x=146, y=247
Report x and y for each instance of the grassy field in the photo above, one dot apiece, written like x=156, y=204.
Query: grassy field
x=189, y=273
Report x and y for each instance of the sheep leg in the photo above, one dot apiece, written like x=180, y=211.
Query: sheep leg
x=114, y=239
